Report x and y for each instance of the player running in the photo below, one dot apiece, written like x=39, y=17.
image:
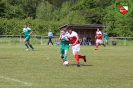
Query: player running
x=106, y=37
x=64, y=45
x=27, y=33
x=98, y=39
x=74, y=39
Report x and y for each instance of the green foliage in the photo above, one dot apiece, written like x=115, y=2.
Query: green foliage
x=42, y=15
x=44, y=11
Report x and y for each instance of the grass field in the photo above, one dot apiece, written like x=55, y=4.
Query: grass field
x=109, y=67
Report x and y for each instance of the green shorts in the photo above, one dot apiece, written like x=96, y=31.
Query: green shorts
x=27, y=38
x=63, y=48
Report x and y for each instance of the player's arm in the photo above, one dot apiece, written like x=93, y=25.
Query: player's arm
x=95, y=36
x=30, y=33
x=30, y=30
x=66, y=39
x=60, y=38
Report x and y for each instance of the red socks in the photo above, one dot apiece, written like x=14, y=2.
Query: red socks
x=77, y=57
x=96, y=46
x=81, y=56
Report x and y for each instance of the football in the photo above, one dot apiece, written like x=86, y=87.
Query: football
x=66, y=63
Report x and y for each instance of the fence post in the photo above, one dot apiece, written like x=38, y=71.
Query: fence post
x=125, y=41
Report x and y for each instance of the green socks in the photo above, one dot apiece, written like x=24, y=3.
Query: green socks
x=26, y=45
x=65, y=56
x=31, y=46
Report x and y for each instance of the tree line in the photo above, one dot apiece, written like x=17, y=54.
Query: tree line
x=42, y=15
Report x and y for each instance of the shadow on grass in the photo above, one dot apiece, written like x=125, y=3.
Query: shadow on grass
x=80, y=64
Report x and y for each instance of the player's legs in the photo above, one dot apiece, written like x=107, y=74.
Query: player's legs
x=30, y=45
x=76, y=49
x=25, y=42
x=65, y=56
x=66, y=48
x=61, y=53
x=97, y=44
x=101, y=43
x=28, y=40
x=106, y=42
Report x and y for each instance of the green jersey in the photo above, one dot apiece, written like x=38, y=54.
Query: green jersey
x=27, y=31
x=63, y=41
x=64, y=44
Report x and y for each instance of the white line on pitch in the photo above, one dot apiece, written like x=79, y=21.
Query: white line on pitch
x=16, y=80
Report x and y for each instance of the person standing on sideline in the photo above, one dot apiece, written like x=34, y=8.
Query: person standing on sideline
x=74, y=39
x=106, y=38
x=50, y=35
x=98, y=38
x=89, y=40
x=27, y=33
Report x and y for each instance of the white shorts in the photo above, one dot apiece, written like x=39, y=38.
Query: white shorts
x=76, y=48
x=99, y=41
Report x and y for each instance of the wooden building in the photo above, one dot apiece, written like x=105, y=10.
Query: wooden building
x=85, y=29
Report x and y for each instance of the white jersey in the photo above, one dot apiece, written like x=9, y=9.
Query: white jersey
x=98, y=32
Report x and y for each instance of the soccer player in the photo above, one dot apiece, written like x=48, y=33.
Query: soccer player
x=64, y=44
x=98, y=39
x=106, y=38
x=74, y=39
x=27, y=33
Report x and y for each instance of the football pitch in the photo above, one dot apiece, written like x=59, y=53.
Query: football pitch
x=108, y=67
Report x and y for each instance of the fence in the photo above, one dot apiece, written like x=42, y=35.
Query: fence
x=121, y=41
x=35, y=39
x=38, y=39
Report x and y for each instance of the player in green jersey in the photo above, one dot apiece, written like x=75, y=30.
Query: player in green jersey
x=27, y=33
x=64, y=44
x=106, y=38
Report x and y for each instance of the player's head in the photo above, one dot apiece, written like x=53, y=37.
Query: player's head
x=69, y=30
x=25, y=25
x=98, y=29
x=63, y=31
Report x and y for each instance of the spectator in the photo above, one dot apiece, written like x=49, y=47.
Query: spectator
x=57, y=43
x=83, y=41
x=50, y=35
x=89, y=41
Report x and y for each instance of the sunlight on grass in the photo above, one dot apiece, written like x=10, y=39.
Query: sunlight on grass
x=108, y=67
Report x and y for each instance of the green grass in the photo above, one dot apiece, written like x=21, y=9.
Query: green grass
x=108, y=67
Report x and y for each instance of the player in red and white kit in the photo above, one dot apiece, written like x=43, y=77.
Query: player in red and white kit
x=74, y=39
x=99, y=39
